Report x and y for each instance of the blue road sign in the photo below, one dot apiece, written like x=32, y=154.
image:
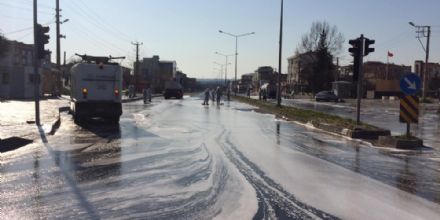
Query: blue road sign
x=410, y=84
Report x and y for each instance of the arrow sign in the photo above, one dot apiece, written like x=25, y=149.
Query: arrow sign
x=410, y=84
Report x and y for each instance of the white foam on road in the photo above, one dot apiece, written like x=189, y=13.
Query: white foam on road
x=324, y=185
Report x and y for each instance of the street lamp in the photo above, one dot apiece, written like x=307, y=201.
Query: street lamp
x=236, y=52
x=421, y=30
x=221, y=70
x=279, y=57
x=226, y=64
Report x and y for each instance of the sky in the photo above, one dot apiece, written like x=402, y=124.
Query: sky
x=187, y=30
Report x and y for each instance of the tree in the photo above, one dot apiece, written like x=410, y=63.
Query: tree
x=321, y=44
x=322, y=35
x=3, y=45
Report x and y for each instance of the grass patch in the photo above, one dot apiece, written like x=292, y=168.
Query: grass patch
x=405, y=137
x=306, y=116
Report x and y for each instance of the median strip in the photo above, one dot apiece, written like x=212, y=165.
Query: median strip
x=327, y=122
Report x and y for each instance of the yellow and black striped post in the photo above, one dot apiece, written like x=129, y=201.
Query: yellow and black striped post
x=409, y=111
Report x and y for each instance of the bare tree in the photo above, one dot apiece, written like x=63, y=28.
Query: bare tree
x=312, y=41
x=320, y=45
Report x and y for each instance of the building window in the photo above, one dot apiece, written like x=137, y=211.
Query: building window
x=5, y=78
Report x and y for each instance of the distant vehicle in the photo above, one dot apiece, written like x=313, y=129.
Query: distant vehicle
x=269, y=90
x=173, y=89
x=326, y=96
x=96, y=86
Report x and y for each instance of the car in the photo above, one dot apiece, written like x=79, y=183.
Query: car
x=326, y=96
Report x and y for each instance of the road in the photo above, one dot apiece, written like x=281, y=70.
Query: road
x=381, y=113
x=177, y=159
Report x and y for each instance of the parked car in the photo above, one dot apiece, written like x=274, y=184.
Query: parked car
x=327, y=96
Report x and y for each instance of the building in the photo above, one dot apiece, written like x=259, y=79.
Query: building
x=245, y=82
x=154, y=73
x=264, y=74
x=380, y=79
x=17, y=72
x=434, y=74
x=297, y=70
x=188, y=84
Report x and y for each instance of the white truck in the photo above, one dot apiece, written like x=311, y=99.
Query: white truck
x=96, y=86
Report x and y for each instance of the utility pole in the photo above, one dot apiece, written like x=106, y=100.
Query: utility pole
x=57, y=17
x=136, y=67
x=36, y=74
x=426, y=75
x=279, y=58
x=420, y=30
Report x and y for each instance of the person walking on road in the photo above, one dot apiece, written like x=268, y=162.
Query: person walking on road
x=149, y=94
x=206, y=100
x=228, y=94
x=213, y=95
x=219, y=94
x=145, y=95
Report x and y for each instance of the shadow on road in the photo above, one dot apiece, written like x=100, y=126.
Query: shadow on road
x=13, y=143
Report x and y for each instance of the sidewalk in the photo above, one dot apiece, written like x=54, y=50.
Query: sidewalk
x=17, y=118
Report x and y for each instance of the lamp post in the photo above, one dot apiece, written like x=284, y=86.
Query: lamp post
x=279, y=57
x=236, y=51
x=421, y=30
x=221, y=71
x=226, y=64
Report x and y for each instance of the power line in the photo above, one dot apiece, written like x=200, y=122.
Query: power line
x=24, y=8
x=29, y=2
x=100, y=25
x=96, y=40
x=25, y=29
x=104, y=22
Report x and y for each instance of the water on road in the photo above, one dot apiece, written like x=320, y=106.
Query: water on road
x=177, y=159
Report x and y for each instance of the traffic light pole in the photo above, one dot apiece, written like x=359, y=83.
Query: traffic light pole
x=36, y=74
x=360, y=77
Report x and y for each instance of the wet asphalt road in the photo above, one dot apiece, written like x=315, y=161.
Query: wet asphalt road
x=177, y=159
x=382, y=113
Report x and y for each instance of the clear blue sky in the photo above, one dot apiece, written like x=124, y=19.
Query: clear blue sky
x=187, y=30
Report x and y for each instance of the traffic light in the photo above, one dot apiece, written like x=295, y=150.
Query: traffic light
x=355, y=51
x=367, y=49
x=42, y=38
x=356, y=47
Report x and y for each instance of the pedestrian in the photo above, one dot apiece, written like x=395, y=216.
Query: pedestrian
x=213, y=95
x=206, y=100
x=219, y=94
x=145, y=95
x=228, y=94
x=149, y=94
x=248, y=92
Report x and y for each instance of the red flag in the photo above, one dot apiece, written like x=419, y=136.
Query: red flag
x=390, y=54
